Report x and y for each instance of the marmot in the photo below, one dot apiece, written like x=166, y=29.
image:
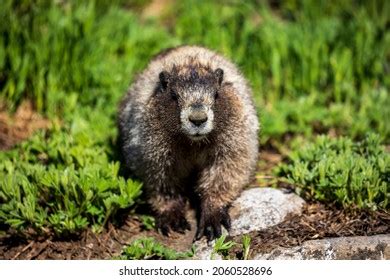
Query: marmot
x=189, y=130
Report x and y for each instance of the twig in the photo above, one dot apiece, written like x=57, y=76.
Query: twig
x=23, y=250
x=35, y=253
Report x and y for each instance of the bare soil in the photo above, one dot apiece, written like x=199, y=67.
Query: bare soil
x=316, y=222
x=19, y=126
x=89, y=245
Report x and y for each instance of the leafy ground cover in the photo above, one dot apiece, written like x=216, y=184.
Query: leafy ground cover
x=341, y=171
x=148, y=248
x=316, y=67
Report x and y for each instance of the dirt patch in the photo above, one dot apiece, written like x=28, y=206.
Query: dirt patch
x=19, y=126
x=156, y=8
x=89, y=245
x=318, y=222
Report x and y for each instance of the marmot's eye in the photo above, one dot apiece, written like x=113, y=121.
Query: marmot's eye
x=173, y=95
x=216, y=94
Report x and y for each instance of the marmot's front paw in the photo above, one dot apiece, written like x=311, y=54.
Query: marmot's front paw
x=172, y=221
x=210, y=223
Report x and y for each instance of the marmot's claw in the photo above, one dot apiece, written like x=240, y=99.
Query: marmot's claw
x=199, y=233
x=166, y=222
x=181, y=225
x=164, y=230
x=226, y=221
x=210, y=224
x=211, y=231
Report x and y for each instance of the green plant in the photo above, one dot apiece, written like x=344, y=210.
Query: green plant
x=148, y=222
x=341, y=171
x=74, y=70
x=147, y=248
x=62, y=180
x=246, y=244
x=221, y=247
x=51, y=49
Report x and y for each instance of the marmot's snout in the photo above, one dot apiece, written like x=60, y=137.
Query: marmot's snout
x=198, y=115
x=197, y=121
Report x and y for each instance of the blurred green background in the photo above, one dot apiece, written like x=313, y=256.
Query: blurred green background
x=316, y=67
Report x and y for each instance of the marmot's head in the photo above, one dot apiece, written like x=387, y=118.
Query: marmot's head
x=188, y=96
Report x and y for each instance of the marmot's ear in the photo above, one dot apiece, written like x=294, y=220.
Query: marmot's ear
x=219, y=75
x=164, y=79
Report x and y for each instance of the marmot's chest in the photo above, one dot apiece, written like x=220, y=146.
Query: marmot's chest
x=190, y=160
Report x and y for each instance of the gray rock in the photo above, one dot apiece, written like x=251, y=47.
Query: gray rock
x=342, y=248
x=255, y=209
x=259, y=208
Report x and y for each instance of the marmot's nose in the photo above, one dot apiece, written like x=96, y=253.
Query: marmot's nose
x=198, y=118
